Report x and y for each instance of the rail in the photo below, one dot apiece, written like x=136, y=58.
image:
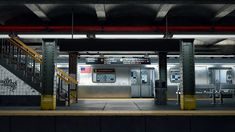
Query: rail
x=38, y=58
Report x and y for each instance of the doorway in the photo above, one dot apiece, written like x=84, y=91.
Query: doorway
x=142, y=82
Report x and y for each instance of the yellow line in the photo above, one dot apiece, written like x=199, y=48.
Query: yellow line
x=117, y=113
x=129, y=99
x=114, y=99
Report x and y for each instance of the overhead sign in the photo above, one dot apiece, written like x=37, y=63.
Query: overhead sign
x=118, y=60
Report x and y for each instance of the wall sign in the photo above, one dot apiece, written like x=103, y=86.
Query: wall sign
x=104, y=76
x=175, y=75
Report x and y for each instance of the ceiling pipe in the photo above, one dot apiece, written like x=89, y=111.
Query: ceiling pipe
x=116, y=28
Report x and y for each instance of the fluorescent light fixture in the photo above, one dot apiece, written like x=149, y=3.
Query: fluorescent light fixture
x=215, y=36
x=129, y=36
x=79, y=36
x=47, y=36
x=52, y=36
x=4, y=36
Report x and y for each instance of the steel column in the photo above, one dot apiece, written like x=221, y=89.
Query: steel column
x=48, y=99
x=187, y=84
x=161, y=84
x=73, y=73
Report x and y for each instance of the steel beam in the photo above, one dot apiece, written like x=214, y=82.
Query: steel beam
x=214, y=42
x=162, y=12
x=36, y=9
x=43, y=29
x=187, y=84
x=117, y=2
x=227, y=9
x=48, y=97
x=100, y=11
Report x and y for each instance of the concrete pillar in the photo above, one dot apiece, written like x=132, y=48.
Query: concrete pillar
x=187, y=85
x=161, y=84
x=48, y=97
x=73, y=56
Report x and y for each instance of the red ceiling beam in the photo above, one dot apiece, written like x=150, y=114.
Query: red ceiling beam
x=116, y=28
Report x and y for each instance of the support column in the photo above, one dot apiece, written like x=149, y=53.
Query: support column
x=187, y=84
x=73, y=73
x=161, y=84
x=48, y=97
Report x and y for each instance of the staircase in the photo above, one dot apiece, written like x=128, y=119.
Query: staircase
x=25, y=63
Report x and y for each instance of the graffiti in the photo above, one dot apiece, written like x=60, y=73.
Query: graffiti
x=7, y=82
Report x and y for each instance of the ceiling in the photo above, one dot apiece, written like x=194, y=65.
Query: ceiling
x=189, y=16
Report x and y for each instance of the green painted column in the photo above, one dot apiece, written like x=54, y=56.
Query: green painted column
x=187, y=69
x=48, y=97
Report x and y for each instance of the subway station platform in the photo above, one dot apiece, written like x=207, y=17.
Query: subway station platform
x=135, y=105
x=120, y=115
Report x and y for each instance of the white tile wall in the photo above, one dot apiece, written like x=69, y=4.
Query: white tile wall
x=21, y=88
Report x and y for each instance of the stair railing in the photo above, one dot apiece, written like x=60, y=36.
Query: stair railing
x=32, y=62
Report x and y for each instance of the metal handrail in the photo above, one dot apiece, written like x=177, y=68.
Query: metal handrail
x=38, y=58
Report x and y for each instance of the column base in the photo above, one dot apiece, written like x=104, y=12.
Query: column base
x=161, y=96
x=73, y=94
x=48, y=102
x=187, y=102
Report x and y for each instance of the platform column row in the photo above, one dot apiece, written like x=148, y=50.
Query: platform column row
x=48, y=96
x=187, y=70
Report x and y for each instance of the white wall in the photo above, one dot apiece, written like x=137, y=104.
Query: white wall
x=21, y=88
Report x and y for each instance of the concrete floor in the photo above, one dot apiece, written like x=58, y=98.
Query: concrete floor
x=130, y=104
x=145, y=105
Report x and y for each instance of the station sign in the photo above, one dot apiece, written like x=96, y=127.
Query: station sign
x=94, y=60
x=118, y=60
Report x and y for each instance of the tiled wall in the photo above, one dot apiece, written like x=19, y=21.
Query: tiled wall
x=12, y=85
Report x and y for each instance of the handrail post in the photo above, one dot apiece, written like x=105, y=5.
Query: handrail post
x=26, y=63
x=33, y=70
x=68, y=94
x=76, y=86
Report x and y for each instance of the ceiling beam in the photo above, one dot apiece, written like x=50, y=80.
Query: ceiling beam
x=36, y=9
x=224, y=11
x=214, y=42
x=117, y=1
x=162, y=12
x=100, y=11
x=8, y=15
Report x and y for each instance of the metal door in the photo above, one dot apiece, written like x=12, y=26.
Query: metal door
x=147, y=82
x=135, y=82
x=142, y=82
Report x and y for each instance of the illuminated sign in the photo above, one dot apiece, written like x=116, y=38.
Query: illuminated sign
x=118, y=60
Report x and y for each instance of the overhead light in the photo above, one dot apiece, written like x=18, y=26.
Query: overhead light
x=4, y=36
x=215, y=36
x=79, y=36
x=129, y=36
x=52, y=36
x=46, y=36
